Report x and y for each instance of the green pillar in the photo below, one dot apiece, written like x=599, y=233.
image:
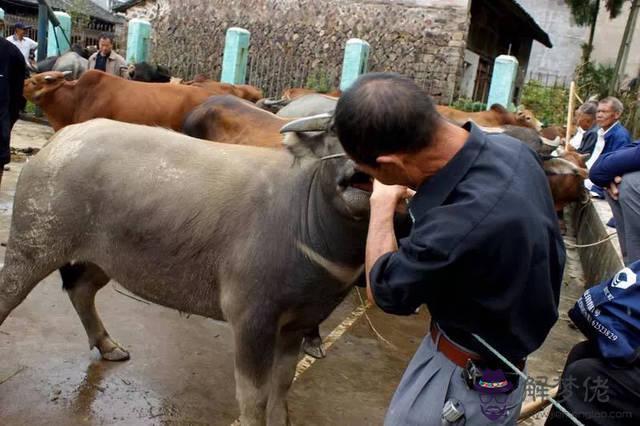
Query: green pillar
x=503, y=81
x=236, y=55
x=65, y=25
x=1, y=14
x=355, y=62
x=138, y=35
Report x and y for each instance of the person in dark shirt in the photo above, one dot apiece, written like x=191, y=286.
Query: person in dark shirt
x=619, y=173
x=586, y=120
x=12, y=73
x=484, y=253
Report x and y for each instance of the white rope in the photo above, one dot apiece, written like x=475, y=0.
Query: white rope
x=604, y=240
x=524, y=376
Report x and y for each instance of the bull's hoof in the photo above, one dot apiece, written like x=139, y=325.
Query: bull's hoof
x=115, y=353
x=314, y=348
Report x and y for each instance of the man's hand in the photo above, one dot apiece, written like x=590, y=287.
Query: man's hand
x=613, y=187
x=389, y=195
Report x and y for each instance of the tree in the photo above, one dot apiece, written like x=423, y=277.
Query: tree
x=585, y=13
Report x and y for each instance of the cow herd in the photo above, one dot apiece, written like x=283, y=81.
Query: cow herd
x=255, y=218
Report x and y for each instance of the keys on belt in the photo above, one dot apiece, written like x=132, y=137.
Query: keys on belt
x=474, y=367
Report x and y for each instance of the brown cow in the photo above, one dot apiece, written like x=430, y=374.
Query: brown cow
x=297, y=92
x=244, y=91
x=98, y=94
x=496, y=116
x=552, y=132
x=566, y=174
x=231, y=120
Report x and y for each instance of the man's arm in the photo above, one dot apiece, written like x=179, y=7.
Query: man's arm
x=616, y=163
x=381, y=238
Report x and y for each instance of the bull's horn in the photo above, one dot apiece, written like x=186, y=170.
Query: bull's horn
x=66, y=73
x=270, y=102
x=49, y=78
x=315, y=123
x=554, y=143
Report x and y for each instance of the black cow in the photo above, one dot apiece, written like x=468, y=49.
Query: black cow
x=144, y=71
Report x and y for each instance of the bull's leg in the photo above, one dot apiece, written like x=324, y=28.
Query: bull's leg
x=312, y=344
x=21, y=273
x=255, y=345
x=282, y=374
x=82, y=281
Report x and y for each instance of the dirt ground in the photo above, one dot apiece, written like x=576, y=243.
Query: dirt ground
x=181, y=368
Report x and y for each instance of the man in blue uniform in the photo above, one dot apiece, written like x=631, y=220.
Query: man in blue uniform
x=484, y=254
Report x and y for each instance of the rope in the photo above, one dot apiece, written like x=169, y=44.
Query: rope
x=366, y=315
x=604, y=240
x=524, y=376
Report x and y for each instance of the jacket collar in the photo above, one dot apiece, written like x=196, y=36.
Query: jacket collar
x=437, y=188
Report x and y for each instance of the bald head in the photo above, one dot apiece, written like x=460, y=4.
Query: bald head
x=384, y=113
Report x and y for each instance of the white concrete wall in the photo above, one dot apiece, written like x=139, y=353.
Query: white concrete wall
x=554, y=17
x=608, y=38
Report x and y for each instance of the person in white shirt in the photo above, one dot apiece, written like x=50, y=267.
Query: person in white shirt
x=25, y=44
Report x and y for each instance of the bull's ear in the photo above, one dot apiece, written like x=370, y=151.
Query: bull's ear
x=306, y=137
x=520, y=108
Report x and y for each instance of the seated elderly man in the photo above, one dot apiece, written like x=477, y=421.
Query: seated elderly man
x=611, y=136
x=587, y=132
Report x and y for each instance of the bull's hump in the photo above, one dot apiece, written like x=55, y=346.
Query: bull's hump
x=139, y=140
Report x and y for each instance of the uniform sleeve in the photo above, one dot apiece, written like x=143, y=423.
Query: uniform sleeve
x=616, y=163
x=400, y=281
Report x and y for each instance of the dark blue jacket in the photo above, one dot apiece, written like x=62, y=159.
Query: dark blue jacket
x=617, y=137
x=616, y=163
x=485, y=252
x=589, y=140
x=12, y=73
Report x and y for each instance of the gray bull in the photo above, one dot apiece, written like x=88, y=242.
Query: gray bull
x=235, y=233
x=309, y=105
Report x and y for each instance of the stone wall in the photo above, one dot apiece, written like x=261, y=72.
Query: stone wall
x=296, y=41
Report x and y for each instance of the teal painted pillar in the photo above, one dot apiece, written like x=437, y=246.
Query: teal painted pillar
x=236, y=55
x=65, y=25
x=1, y=14
x=138, y=35
x=355, y=62
x=503, y=81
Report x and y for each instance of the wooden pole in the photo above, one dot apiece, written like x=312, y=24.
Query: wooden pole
x=535, y=407
x=572, y=98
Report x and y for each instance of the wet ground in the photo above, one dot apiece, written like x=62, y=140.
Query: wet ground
x=181, y=368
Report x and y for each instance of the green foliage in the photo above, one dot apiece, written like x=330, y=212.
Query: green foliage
x=594, y=80
x=320, y=81
x=464, y=104
x=30, y=108
x=78, y=10
x=549, y=104
x=584, y=12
